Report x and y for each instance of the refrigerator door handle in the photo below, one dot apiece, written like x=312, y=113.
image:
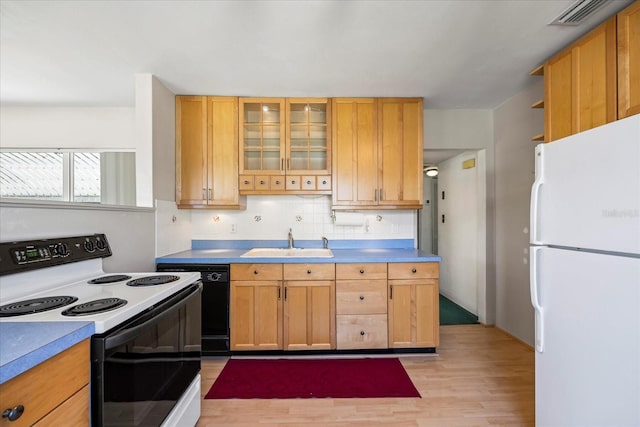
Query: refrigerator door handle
x=535, y=197
x=535, y=299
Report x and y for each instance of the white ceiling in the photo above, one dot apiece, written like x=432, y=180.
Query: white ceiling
x=454, y=53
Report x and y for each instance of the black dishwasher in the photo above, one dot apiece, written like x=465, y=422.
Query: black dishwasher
x=215, y=304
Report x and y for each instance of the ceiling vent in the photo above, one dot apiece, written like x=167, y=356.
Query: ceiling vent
x=579, y=12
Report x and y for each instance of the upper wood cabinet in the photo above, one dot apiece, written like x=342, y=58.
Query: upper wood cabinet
x=207, y=153
x=580, y=84
x=595, y=80
x=286, y=146
x=400, y=145
x=377, y=153
x=629, y=61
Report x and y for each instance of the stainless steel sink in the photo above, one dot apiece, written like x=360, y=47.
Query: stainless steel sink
x=288, y=253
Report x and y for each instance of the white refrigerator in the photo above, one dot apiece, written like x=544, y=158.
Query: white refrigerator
x=585, y=277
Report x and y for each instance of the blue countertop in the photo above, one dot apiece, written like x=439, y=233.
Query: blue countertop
x=230, y=252
x=23, y=345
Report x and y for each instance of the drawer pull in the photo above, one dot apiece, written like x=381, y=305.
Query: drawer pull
x=255, y=271
x=261, y=182
x=246, y=182
x=362, y=333
x=361, y=297
x=308, y=182
x=362, y=271
x=308, y=271
x=413, y=270
x=324, y=181
x=277, y=182
x=14, y=413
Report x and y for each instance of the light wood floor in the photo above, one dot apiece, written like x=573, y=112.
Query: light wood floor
x=481, y=377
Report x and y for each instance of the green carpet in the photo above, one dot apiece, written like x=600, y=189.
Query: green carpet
x=452, y=314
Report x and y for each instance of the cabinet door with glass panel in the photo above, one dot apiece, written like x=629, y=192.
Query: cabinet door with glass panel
x=262, y=136
x=308, y=136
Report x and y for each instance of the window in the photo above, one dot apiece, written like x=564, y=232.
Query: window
x=67, y=176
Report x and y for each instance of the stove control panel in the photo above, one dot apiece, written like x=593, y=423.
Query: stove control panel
x=32, y=254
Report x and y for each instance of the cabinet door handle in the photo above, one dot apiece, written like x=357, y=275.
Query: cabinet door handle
x=278, y=293
x=282, y=163
x=391, y=292
x=361, y=297
x=375, y=195
x=204, y=194
x=210, y=195
x=362, y=271
x=413, y=270
x=14, y=413
x=308, y=271
x=288, y=164
x=285, y=294
x=255, y=271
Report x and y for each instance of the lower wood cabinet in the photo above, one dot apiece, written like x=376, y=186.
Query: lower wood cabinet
x=334, y=306
x=267, y=313
x=413, y=305
x=53, y=393
x=361, y=306
x=255, y=309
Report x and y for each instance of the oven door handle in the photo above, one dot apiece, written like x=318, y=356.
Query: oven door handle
x=155, y=315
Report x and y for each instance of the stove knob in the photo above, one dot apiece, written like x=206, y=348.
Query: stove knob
x=100, y=244
x=62, y=249
x=88, y=246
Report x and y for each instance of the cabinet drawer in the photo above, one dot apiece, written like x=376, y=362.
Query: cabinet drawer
x=245, y=182
x=309, y=271
x=308, y=182
x=365, y=271
x=359, y=332
x=361, y=297
x=256, y=271
x=277, y=183
x=47, y=385
x=293, y=183
x=261, y=182
x=323, y=182
x=411, y=270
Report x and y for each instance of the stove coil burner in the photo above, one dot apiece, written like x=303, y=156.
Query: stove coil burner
x=109, y=279
x=35, y=305
x=94, y=307
x=152, y=280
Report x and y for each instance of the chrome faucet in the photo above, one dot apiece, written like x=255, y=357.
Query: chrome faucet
x=325, y=242
x=290, y=239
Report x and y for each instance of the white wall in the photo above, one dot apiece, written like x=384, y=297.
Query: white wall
x=58, y=127
x=471, y=129
x=270, y=217
x=515, y=124
x=130, y=232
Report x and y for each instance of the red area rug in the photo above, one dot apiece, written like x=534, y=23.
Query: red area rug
x=312, y=378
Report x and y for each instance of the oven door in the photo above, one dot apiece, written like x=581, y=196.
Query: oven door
x=140, y=369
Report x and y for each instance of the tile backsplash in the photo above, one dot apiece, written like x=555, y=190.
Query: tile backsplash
x=309, y=217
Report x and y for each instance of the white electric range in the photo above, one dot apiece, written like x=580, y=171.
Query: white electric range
x=151, y=318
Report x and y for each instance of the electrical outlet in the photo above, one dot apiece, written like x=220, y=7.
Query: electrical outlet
x=234, y=228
